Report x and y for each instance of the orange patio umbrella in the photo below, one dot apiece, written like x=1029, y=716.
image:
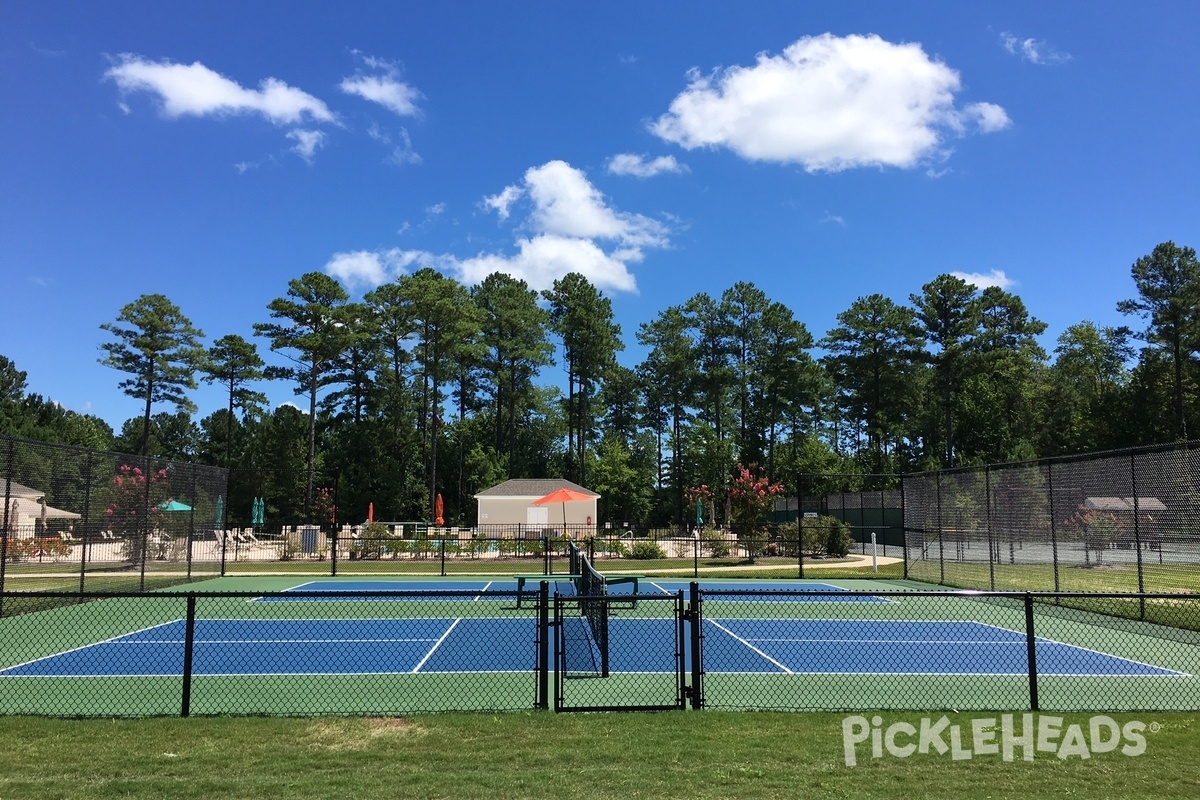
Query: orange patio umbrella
x=563, y=496
x=437, y=511
x=370, y=513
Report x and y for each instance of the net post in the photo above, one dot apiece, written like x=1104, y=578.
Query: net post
x=189, y=640
x=1031, y=651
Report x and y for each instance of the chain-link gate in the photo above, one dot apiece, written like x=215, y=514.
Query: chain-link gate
x=619, y=652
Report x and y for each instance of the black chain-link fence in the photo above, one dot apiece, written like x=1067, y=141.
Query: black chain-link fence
x=86, y=519
x=1124, y=521
x=350, y=648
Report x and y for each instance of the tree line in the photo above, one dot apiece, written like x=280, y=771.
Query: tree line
x=425, y=387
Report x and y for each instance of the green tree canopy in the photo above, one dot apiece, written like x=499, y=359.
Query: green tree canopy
x=160, y=349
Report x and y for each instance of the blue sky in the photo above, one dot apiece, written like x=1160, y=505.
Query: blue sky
x=213, y=151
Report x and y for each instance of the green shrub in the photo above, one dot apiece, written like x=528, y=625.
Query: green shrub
x=615, y=548
x=754, y=539
x=820, y=536
x=838, y=541
x=714, y=542
x=646, y=550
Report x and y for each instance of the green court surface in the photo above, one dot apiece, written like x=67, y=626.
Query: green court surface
x=463, y=643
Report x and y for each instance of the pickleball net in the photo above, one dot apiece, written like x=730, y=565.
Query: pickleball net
x=591, y=595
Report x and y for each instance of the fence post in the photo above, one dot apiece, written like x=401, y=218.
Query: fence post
x=993, y=548
x=1031, y=652
x=1053, y=525
x=144, y=533
x=1137, y=538
x=904, y=526
x=191, y=533
x=333, y=551
x=443, y=553
x=941, y=533
x=87, y=516
x=695, y=618
x=543, y=644
x=189, y=640
x=8, y=473
x=696, y=555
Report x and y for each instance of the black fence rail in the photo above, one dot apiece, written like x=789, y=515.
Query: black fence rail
x=351, y=651
x=412, y=549
x=1124, y=521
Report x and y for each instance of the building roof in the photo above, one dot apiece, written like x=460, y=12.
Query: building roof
x=18, y=490
x=32, y=509
x=532, y=488
x=1124, y=504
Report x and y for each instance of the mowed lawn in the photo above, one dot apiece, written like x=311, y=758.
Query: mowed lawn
x=536, y=755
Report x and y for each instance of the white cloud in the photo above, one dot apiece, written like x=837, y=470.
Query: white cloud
x=545, y=258
x=386, y=90
x=307, y=142
x=1033, y=50
x=403, y=154
x=988, y=117
x=366, y=269
x=829, y=103
x=571, y=228
x=834, y=219
x=639, y=167
x=567, y=204
x=502, y=202
x=196, y=90
x=981, y=281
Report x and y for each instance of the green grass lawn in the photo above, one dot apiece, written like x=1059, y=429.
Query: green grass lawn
x=529, y=755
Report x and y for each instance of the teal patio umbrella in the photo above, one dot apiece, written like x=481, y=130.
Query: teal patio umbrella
x=174, y=505
x=219, y=522
x=699, y=512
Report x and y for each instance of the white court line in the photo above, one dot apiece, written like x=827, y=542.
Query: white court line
x=750, y=646
x=1091, y=650
x=111, y=640
x=889, y=641
x=436, y=645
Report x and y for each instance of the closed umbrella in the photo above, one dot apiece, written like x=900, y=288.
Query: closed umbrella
x=219, y=517
x=699, y=512
x=437, y=511
x=370, y=513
